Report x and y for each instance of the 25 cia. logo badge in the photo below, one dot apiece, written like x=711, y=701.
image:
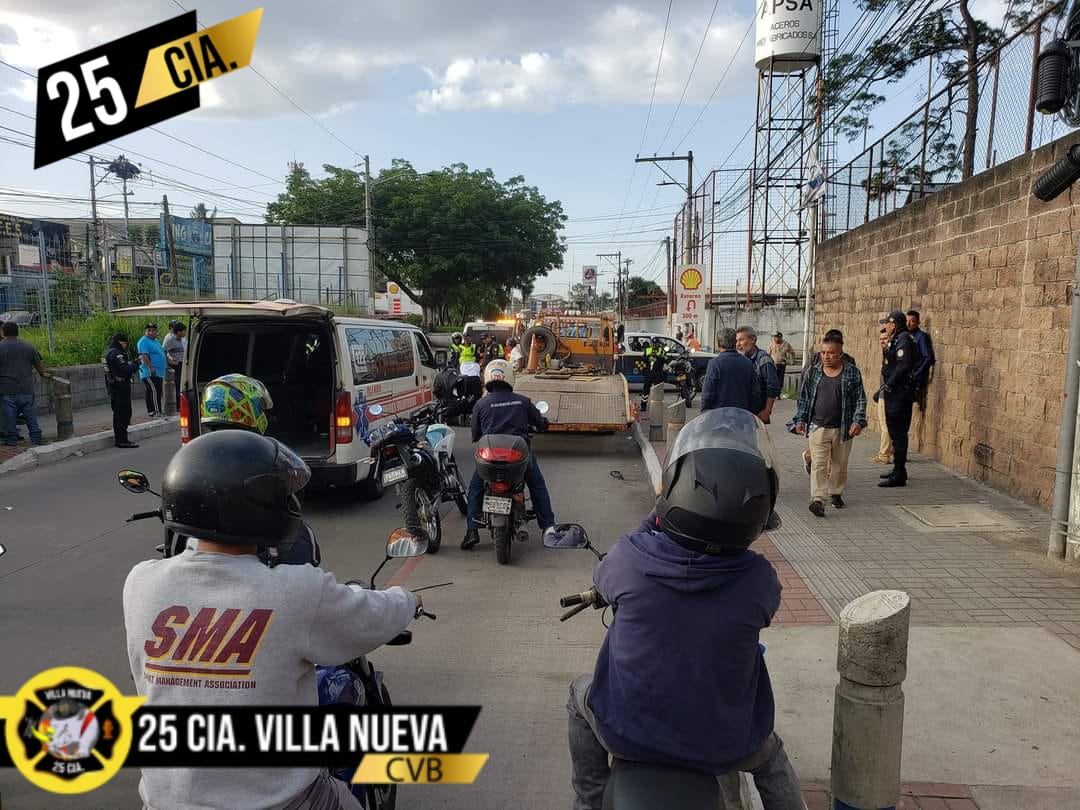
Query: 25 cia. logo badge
x=68, y=729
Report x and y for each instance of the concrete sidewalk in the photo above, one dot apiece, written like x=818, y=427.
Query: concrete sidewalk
x=93, y=431
x=992, y=692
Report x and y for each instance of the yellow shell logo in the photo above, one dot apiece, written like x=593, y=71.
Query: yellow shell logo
x=691, y=278
x=393, y=288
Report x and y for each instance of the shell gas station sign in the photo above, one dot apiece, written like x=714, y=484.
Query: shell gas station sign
x=690, y=295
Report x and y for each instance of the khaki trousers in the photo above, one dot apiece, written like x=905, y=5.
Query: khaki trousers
x=829, y=462
x=885, y=450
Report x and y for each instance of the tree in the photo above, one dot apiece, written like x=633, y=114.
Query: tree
x=956, y=40
x=199, y=213
x=456, y=240
x=640, y=292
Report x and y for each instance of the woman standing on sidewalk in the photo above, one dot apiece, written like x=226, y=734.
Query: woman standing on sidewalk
x=118, y=373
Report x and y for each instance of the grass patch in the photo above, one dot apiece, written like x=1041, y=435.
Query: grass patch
x=80, y=341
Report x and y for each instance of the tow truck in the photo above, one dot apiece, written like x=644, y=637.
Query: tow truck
x=576, y=374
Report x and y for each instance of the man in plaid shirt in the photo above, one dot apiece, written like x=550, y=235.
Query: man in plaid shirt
x=831, y=411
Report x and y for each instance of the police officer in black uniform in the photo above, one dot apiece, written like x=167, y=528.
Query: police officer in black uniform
x=118, y=371
x=898, y=387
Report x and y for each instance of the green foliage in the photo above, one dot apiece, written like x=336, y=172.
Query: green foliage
x=458, y=241
x=79, y=341
x=640, y=292
x=583, y=298
x=200, y=213
x=950, y=35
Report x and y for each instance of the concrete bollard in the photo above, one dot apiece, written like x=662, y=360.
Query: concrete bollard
x=656, y=413
x=60, y=393
x=676, y=418
x=169, y=393
x=868, y=719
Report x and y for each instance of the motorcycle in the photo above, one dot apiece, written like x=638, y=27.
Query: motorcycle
x=683, y=375
x=635, y=785
x=501, y=461
x=417, y=455
x=355, y=683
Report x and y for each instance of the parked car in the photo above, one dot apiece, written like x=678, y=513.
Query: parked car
x=21, y=317
x=632, y=362
x=323, y=371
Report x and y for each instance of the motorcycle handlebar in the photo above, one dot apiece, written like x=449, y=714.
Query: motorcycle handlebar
x=145, y=515
x=572, y=612
x=584, y=599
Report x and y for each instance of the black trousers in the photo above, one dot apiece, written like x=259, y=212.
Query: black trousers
x=154, y=391
x=898, y=421
x=120, y=399
x=177, y=369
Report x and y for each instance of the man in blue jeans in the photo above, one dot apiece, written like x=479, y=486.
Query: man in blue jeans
x=18, y=360
x=503, y=411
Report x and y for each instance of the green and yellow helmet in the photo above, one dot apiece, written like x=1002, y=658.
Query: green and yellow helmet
x=235, y=401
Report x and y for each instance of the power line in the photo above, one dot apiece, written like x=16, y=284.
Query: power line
x=656, y=77
x=693, y=67
x=285, y=96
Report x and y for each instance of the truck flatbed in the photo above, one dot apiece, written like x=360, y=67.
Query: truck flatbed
x=580, y=402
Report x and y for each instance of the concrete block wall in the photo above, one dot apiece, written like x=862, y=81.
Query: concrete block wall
x=87, y=388
x=990, y=269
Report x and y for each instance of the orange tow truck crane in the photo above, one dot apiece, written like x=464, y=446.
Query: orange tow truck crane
x=572, y=367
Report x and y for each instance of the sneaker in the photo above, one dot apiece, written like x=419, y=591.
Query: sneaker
x=126, y=445
x=472, y=538
x=806, y=462
x=886, y=474
x=894, y=481
x=838, y=501
x=818, y=508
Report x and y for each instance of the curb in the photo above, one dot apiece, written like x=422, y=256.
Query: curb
x=652, y=462
x=81, y=445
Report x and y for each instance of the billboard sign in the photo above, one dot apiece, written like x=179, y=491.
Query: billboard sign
x=192, y=237
x=588, y=277
x=690, y=295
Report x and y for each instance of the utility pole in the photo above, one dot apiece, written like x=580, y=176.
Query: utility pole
x=370, y=231
x=169, y=238
x=670, y=284
x=626, y=283
x=92, y=247
x=125, y=170
x=688, y=225
x=618, y=287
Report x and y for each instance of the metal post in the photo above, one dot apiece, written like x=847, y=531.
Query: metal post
x=370, y=232
x=108, y=275
x=868, y=717
x=1059, y=513
x=926, y=124
x=811, y=277
x=123, y=180
x=45, y=291
x=689, y=244
x=1033, y=89
x=993, y=110
x=869, y=181
x=847, y=216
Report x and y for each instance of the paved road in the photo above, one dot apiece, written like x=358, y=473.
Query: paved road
x=497, y=642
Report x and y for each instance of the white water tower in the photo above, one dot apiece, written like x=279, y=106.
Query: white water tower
x=787, y=35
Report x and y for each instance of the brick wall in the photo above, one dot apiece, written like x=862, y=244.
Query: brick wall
x=990, y=268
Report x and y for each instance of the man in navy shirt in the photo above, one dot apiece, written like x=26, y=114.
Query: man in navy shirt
x=503, y=411
x=922, y=373
x=730, y=378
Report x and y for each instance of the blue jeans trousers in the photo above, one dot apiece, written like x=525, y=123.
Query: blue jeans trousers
x=11, y=407
x=538, y=491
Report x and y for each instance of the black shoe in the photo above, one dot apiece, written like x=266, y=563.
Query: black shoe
x=472, y=538
x=838, y=501
x=888, y=474
x=818, y=508
x=894, y=481
x=126, y=445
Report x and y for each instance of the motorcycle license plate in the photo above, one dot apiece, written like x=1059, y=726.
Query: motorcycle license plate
x=497, y=506
x=393, y=476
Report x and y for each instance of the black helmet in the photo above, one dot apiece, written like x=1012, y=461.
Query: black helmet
x=234, y=486
x=720, y=484
x=445, y=380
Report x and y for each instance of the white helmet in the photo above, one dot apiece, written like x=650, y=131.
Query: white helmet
x=498, y=371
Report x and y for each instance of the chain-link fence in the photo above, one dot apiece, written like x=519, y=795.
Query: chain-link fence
x=927, y=150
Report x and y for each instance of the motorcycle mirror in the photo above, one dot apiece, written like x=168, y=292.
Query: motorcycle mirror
x=567, y=535
x=774, y=522
x=375, y=410
x=403, y=543
x=133, y=481
x=3, y=549
x=543, y=407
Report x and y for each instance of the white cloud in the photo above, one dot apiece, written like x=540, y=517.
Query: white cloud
x=328, y=55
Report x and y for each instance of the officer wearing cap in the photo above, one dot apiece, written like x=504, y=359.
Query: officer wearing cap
x=898, y=388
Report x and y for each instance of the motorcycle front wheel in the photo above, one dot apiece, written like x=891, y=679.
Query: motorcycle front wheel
x=688, y=394
x=381, y=797
x=502, y=537
x=427, y=509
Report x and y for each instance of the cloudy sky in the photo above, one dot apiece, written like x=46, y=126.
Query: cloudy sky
x=558, y=91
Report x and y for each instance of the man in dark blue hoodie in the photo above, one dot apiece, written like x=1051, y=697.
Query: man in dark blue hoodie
x=681, y=679
x=730, y=379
